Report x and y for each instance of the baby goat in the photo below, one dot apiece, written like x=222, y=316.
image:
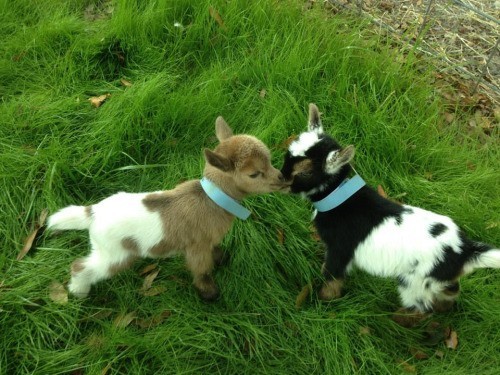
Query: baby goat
x=426, y=252
x=191, y=219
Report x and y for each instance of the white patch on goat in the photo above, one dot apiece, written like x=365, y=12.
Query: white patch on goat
x=408, y=251
x=122, y=215
x=305, y=141
x=315, y=190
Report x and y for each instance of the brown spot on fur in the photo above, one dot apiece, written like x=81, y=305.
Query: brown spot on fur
x=157, y=201
x=88, y=211
x=131, y=245
x=302, y=166
x=331, y=289
x=77, y=266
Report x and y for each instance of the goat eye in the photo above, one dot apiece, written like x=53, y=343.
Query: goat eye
x=255, y=175
x=305, y=173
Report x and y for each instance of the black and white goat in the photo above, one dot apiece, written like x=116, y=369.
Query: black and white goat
x=425, y=251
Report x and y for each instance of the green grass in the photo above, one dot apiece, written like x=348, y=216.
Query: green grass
x=56, y=150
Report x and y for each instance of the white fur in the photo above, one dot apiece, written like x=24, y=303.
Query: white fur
x=331, y=166
x=410, y=252
x=305, y=141
x=489, y=259
x=117, y=217
x=71, y=217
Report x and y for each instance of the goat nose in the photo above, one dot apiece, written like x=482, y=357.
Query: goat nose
x=281, y=177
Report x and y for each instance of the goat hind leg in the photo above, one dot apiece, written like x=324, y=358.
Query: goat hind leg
x=95, y=267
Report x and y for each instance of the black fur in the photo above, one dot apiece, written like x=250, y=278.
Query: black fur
x=438, y=229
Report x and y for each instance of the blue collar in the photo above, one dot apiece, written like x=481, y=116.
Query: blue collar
x=223, y=200
x=343, y=192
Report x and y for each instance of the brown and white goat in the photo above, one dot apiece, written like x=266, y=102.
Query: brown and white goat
x=128, y=226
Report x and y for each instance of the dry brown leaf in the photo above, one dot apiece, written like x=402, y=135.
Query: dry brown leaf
x=471, y=166
x=281, y=236
x=381, y=191
x=148, y=268
x=418, y=354
x=262, y=93
x=216, y=16
x=364, y=331
x=314, y=233
x=452, y=340
x=58, y=293
x=386, y=6
x=148, y=280
x=99, y=315
x=301, y=297
x=123, y=320
x=125, y=83
x=496, y=113
x=31, y=239
x=449, y=117
x=439, y=354
x=286, y=143
x=154, y=320
x=97, y=101
x=154, y=291
x=407, y=367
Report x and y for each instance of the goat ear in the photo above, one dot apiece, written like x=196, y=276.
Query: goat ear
x=338, y=158
x=314, y=123
x=218, y=161
x=222, y=129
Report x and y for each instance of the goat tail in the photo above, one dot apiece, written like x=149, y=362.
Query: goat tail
x=485, y=257
x=71, y=217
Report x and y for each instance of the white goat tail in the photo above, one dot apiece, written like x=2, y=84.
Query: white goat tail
x=71, y=217
x=488, y=259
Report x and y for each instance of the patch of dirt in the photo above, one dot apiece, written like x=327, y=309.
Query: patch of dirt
x=460, y=36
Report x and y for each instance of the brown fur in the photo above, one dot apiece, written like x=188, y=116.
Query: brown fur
x=303, y=166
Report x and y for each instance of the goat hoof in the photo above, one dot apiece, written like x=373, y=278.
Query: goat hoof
x=209, y=295
x=331, y=290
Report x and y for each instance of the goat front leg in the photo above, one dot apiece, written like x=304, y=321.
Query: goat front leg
x=200, y=261
x=333, y=271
